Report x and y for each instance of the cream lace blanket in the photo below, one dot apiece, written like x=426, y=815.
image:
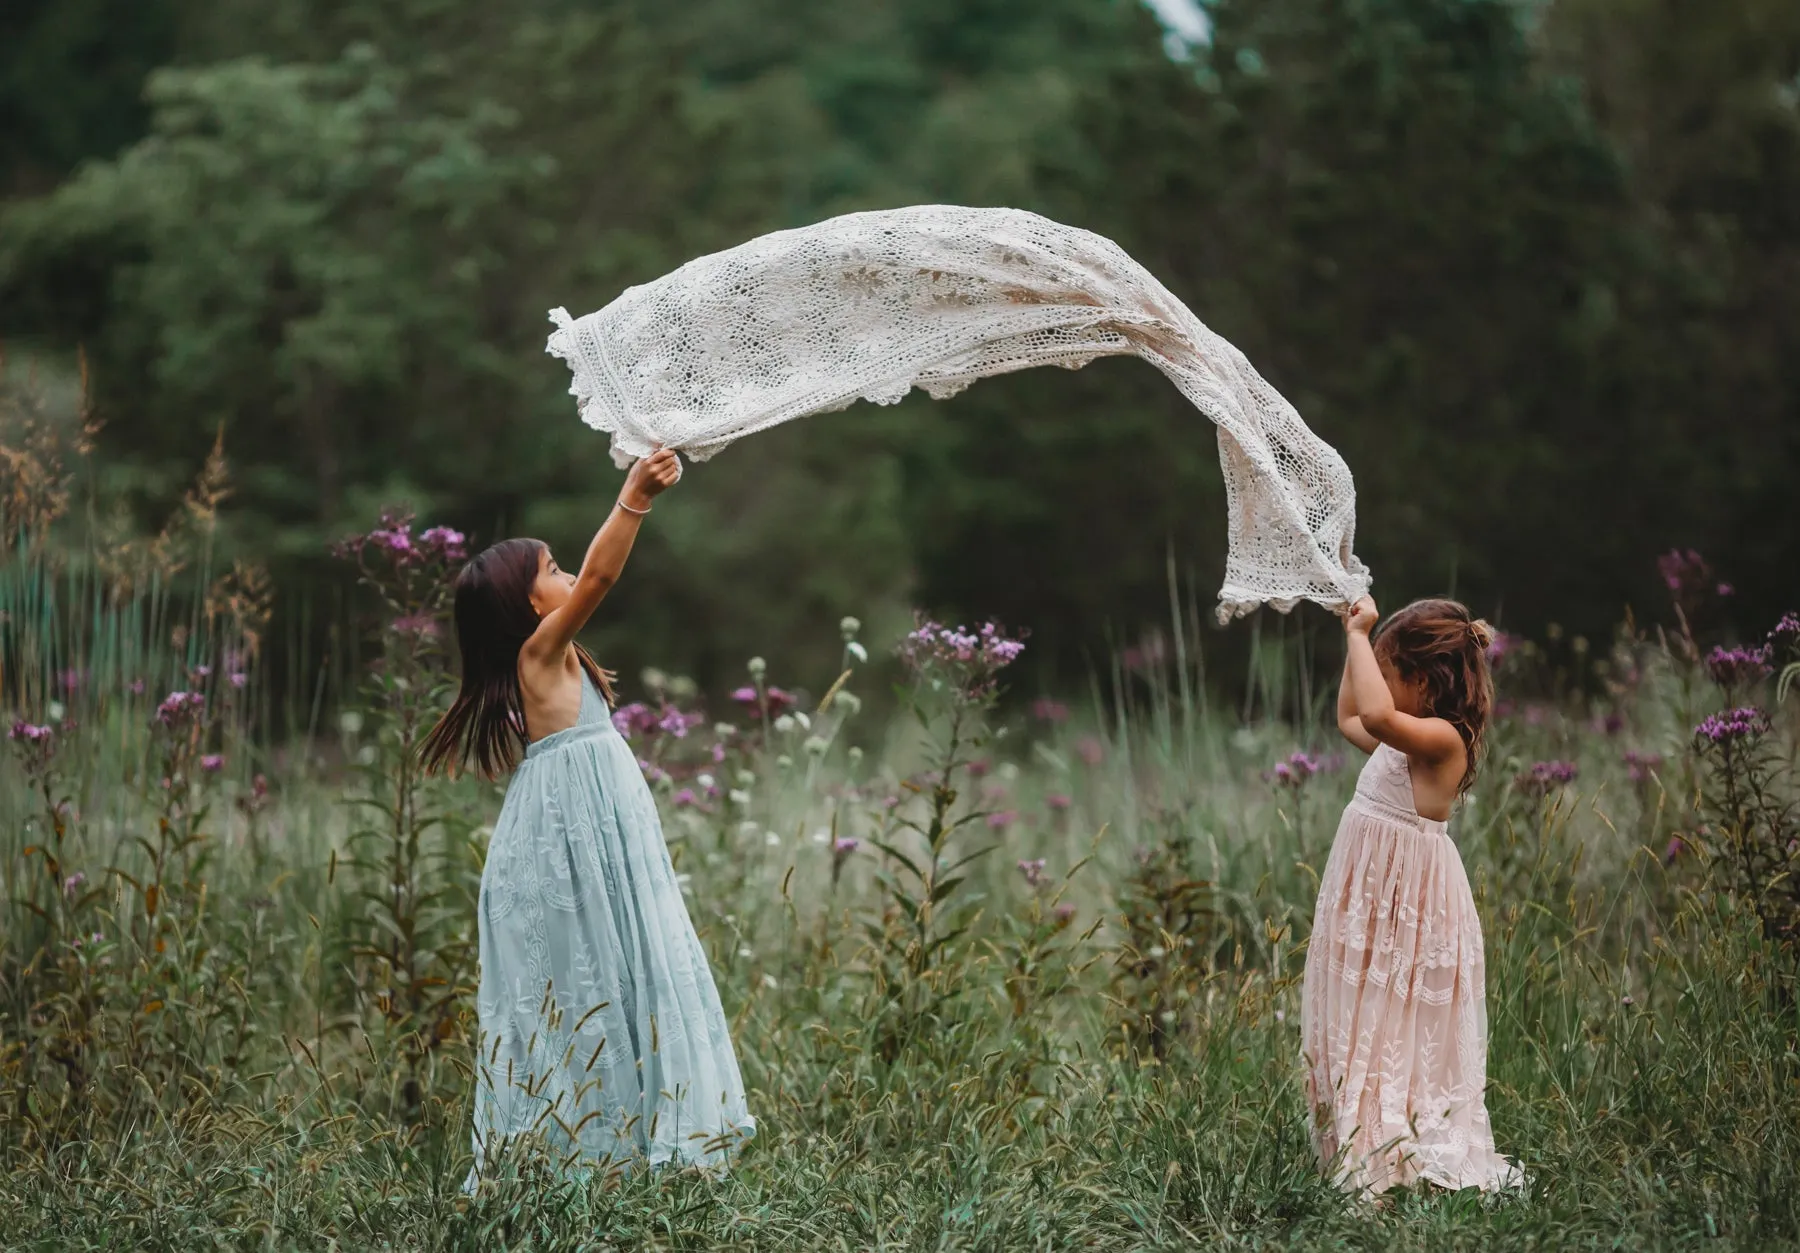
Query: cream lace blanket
x=869, y=305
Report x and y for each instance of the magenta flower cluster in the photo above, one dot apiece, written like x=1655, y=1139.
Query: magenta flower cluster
x=1503, y=645
x=180, y=708
x=1733, y=667
x=1687, y=573
x=1297, y=769
x=1786, y=633
x=989, y=648
x=23, y=732
x=393, y=539
x=1052, y=711
x=638, y=719
x=776, y=700
x=1732, y=725
x=1033, y=870
x=1545, y=777
x=1639, y=767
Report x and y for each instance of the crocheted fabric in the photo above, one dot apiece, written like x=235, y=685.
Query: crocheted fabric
x=869, y=305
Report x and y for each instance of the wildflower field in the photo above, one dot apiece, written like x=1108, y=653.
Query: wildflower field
x=1006, y=970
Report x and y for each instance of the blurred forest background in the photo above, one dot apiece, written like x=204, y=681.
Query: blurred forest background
x=1530, y=266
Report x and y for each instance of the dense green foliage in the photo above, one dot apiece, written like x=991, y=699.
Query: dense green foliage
x=1529, y=266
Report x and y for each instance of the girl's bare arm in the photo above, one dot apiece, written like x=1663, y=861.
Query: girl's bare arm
x=606, y=555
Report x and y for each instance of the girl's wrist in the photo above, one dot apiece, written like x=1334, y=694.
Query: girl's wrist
x=637, y=508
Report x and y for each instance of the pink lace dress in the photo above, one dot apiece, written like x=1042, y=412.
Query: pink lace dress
x=1394, y=1009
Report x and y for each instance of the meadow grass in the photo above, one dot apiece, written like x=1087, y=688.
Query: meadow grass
x=235, y=1003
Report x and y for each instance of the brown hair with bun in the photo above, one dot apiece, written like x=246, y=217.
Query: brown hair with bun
x=1442, y=647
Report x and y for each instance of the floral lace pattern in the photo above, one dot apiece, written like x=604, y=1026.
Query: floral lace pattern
x=602, y=1036
x=1394, y=1017
x=870, y=305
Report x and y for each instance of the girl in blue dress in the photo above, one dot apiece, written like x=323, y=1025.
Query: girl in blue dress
x=602, y=1038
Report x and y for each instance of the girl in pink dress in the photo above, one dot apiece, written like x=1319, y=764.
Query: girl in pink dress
x=1394, y=1017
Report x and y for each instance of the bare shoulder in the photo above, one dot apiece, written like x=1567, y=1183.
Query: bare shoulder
x=1437, y=777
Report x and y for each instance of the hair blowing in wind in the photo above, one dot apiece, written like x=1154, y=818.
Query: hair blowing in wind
x=494, y=617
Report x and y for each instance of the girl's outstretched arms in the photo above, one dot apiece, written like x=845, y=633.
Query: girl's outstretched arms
x=1430, y=739
x=606, y=554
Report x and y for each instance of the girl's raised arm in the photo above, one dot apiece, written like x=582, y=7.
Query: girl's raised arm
x=1431, y=739
x=648, y=479
x=1348, y=720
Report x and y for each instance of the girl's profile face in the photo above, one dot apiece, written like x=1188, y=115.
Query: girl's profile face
x=551, y=590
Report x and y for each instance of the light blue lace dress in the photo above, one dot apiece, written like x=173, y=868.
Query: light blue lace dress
x=602, y=1037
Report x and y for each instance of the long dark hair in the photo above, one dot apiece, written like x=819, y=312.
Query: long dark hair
x=494, y=618
x=1439, y=644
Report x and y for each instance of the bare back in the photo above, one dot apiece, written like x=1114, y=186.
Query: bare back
x=550, y=693
x=1435, y=784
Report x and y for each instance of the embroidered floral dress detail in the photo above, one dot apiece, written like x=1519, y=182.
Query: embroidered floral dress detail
x=1394, y=1011
x=602, y=1035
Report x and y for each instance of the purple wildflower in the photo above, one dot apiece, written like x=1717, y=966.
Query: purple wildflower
x=71, y=680
x=1502, y=646
x=1546, y=776
x=73, y=883
x=1639, y=767
x=1064, y=914
x=212, y=763
x=1732, y=725
x=1058, y=801
x=1001, y=820
x=1033, y=870
x=1090, y=750
x=634, y=719
x=1786, y=633
x=1046, y=710
x=777, y=701
x=1683, y=570
x=1732, y=667
x=974, y=657
x=674, y=722
x=26, y=733
x=844, y=845
x=685, y=797
x=449, y=544
x=1295, y=771
x=1691, y=582
x=180, y=707
x=237, y=678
